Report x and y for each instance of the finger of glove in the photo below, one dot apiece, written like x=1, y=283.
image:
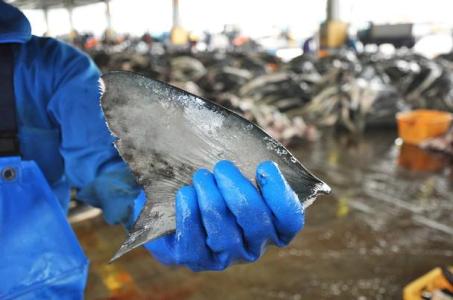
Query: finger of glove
x=246, y=204
x=224, y=236
x=162, y=249
x=190, y=245
x=281, y=199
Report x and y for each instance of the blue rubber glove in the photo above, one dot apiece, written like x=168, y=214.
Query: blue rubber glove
x=223, y=219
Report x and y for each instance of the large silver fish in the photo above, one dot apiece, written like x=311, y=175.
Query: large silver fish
x=165, y=134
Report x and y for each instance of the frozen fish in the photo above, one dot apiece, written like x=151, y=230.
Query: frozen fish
x=165, y=134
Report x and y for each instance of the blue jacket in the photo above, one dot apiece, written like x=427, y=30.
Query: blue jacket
x=64, y=144
x=61, y=126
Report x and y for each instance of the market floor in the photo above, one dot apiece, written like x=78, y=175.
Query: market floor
x=387, y=222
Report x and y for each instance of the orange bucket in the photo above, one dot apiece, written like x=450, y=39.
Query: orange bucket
x=417, y=126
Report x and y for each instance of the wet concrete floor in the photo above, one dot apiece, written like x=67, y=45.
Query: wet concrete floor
x=388, y=221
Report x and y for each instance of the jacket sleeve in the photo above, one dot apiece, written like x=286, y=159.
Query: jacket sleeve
x=92, y=164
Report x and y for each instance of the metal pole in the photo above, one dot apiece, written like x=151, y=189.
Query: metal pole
x=69, y=4
x=108, y=15
x=46, y=20
x=71, y=17
x=176, y=22
x=333, y=10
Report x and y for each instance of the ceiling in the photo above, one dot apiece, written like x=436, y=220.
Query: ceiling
x=41, y=4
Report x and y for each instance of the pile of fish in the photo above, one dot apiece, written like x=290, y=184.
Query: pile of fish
x=422, y=82
x=292, y=100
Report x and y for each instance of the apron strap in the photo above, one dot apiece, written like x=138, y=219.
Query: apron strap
x=9, y=143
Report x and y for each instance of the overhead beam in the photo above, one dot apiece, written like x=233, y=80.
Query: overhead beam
x=49, y=4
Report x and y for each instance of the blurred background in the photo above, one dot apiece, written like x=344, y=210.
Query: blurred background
x=361, y=91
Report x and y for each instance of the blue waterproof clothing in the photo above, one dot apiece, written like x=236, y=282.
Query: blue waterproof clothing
x=64, y=144
x=61, y=126
x=40, y=257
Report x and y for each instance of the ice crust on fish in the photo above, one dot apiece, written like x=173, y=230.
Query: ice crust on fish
x=165, y=134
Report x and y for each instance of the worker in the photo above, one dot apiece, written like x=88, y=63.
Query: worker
x=53, y=138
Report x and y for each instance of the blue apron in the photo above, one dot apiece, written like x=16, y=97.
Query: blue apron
x=40, y=257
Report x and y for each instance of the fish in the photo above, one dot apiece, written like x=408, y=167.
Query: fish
x=165, y=134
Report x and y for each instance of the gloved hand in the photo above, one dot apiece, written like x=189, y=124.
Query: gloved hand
x=222, y=218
